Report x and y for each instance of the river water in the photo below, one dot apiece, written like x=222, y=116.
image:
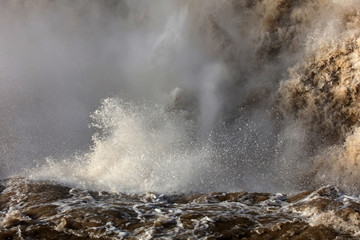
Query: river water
x=177, y=119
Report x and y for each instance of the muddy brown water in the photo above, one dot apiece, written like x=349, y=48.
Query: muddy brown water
x=46, y=210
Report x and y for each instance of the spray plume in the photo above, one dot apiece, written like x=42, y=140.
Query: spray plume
x=184, y=95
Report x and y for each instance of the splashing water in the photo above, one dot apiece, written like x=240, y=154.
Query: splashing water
x=141, y=148
x=219, y=95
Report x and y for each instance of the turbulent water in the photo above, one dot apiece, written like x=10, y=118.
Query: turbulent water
x=166, y=119
x=44, y=210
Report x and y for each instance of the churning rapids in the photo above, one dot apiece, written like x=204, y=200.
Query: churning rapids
x=180, y=119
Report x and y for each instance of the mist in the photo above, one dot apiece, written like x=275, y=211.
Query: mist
x=120, y=95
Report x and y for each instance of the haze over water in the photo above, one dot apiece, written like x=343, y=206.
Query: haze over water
x=179, y=119
x=178, y=96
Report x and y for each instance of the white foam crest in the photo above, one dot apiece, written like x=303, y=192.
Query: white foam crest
x=330, y=219
x=140, y=148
